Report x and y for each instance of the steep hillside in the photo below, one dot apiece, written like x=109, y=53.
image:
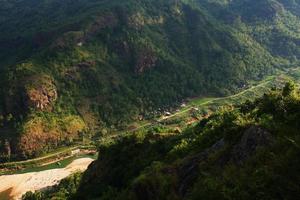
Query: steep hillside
x=82, y=67
x=251, y=152
x=248, y=152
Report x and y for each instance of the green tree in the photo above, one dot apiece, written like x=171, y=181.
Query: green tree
x=288, y=89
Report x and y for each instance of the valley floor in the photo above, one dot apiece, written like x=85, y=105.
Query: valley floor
x=13, y=186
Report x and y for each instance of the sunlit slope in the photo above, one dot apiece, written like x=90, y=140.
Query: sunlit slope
x=83, y=68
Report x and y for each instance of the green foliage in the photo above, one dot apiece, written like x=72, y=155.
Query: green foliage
x=288, y=89
x=155, y=167
x=63, y=191
x=112, y=61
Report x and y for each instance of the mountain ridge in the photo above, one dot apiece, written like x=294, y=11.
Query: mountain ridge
x=109, y=62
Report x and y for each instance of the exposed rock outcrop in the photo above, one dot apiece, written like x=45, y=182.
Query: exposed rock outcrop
x=188, y=172
x=252, y=139
x=40, y=92
x=41, y=98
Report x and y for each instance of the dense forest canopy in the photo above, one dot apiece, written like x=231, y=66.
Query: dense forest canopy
x=248, y=152
x=76, y=72
x=73, y=68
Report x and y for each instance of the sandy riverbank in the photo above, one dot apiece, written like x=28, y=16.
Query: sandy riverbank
x=14, y=186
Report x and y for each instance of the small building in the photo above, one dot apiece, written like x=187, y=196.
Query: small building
x=195, y=109
x=75, y=152
x=168, y=113
x=140, y=117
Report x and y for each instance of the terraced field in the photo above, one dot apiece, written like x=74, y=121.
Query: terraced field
x=198, y=108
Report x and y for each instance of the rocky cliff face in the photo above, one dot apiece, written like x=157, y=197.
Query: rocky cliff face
x=41, y=94
x=252, y=139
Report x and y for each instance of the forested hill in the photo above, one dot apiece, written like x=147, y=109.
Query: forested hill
x=74, y=68
x=249, y=152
